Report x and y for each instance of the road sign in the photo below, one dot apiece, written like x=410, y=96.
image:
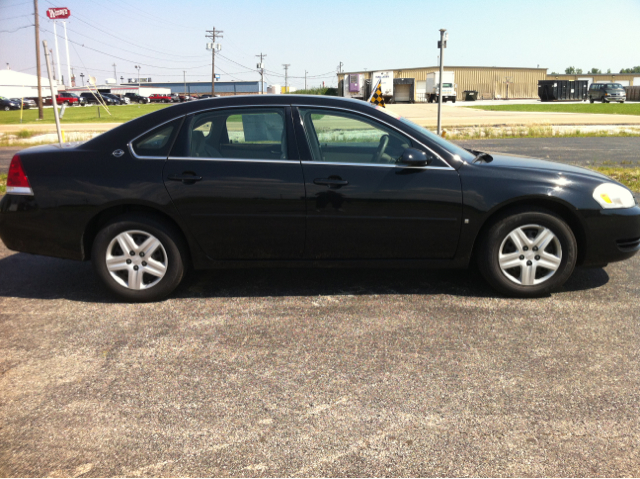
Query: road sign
x=58, y=13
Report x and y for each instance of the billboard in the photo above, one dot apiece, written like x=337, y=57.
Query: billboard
x=58, y=13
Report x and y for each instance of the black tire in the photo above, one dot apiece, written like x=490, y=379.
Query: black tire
x=591, y=100
x=141, y=102
x=6, y=108
x=497, y=237
x=173, y=254
x=65, y=103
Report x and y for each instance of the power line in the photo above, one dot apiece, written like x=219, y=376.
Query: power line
x=14, y=5
x=19, y=28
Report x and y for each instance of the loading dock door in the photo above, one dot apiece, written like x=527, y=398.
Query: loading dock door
x=402, y=93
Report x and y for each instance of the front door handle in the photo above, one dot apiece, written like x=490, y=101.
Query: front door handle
x=186, y=178
x=331, y=182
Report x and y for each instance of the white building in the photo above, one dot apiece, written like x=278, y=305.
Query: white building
x=22, y=85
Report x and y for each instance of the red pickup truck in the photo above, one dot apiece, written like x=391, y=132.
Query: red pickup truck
x=66, y=98
x=160, y=97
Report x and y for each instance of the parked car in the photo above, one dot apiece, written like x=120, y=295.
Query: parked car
x=187, y=97
x=607, y=92
x=93, y=98
x=6, y=104
x=26, y=103
x=204, y=97
x=135, y=98
x=175, y=98
x=160, y=98
x=124, y=100
x=65, y=98
x=116, y=98
x=302, y=180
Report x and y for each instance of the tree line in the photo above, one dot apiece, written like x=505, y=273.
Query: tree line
x=595, y=71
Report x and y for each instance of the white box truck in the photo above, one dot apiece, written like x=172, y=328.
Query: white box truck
x=448, y=87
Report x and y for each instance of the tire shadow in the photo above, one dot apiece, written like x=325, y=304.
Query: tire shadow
x=36, y=277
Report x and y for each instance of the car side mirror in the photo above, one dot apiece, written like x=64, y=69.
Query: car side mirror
x=414, y=157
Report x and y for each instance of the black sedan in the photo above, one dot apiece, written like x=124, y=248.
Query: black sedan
x=306, y=180
x=7, y=104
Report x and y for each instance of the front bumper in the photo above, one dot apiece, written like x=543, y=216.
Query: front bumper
x=615, y=98
x=611, y=235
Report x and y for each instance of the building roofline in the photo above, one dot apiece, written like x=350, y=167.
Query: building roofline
x=437, y=66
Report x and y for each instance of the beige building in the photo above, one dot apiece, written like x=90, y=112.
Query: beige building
x=489, y=82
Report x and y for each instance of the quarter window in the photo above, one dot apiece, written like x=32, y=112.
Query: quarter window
x=157, y=142
x=243, y=134
x=337, y=137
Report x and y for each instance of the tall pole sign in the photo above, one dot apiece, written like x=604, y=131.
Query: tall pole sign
x=55, y=14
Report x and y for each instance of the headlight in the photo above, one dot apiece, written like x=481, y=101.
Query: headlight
x=609, y=195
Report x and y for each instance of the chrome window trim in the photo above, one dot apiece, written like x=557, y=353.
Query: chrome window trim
x=245, y=160
x=448, y=166
x=383, y=165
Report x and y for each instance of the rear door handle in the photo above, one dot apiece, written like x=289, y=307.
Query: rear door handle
x=331, y=182
x=185, y=178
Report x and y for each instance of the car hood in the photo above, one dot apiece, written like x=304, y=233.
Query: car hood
x=522, y=163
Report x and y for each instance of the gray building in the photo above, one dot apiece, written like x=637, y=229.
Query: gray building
x=223, y=88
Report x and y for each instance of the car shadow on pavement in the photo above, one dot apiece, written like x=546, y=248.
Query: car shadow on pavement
x=37, y=277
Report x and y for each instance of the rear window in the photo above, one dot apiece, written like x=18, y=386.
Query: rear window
x=157, y=142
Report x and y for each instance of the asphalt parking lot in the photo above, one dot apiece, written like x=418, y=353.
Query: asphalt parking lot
x=317, y=373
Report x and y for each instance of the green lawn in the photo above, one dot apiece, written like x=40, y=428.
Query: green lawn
x=3, y=184
x=77, y=114
x=607, y=108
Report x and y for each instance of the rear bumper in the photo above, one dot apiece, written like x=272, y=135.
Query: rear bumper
x=611, y=235
x=27, y=228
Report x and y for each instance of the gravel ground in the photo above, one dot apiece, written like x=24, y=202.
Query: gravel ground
x=317, y=373
x=614, y=151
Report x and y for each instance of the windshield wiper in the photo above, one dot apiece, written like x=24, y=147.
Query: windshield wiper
x=482, y=157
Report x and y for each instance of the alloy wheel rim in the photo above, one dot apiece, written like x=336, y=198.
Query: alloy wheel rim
x=530, y=255
x=136, y=260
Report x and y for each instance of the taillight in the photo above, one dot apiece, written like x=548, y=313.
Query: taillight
x=17, y=181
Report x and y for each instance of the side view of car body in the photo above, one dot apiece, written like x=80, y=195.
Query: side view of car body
x=26, y=103
x=95, y=98
x=606, y=92
x=253, y=181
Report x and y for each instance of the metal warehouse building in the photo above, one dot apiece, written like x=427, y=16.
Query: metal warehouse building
x=490, y=82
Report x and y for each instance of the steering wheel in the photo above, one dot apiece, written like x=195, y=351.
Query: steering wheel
x=384, y=141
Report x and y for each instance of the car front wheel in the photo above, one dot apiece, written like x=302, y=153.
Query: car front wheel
x=528, y=253
x=139, y=258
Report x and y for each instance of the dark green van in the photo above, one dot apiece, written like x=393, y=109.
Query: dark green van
x=607, y=92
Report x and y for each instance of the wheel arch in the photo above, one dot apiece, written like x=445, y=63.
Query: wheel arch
x=560, y=208
x=103, y=217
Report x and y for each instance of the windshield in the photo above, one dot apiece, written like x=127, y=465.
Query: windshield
x=446, y=85
x=2, y=98
x=614, y=85
x=72, y=95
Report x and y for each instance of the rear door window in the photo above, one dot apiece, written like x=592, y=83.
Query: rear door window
x=257, y=133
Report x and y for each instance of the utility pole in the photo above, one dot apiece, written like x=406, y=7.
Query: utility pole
x=115, y=75
x=286, y=76
x=53, y=65
x=441, y=44
x=340, y=67
x=213, y=34
x=37, y=22
x=261, y=67
x=305, y=79
x=137, y=67
x=53, y=93
x=184, y=76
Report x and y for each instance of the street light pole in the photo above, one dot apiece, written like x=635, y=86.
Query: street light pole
x=441, y=44
x=138, y=68
x=37, y=25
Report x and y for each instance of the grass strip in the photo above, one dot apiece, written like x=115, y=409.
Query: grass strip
x=600, y=108
x=79, y=114
x=629, y=177
x=3, y=184
x=534, y=131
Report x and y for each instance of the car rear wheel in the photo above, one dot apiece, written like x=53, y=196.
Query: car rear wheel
x=139, y=258
x=591, y=100
x=528, y=253
x=6, y=108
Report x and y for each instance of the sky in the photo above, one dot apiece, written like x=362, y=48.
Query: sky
x=165, y=37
